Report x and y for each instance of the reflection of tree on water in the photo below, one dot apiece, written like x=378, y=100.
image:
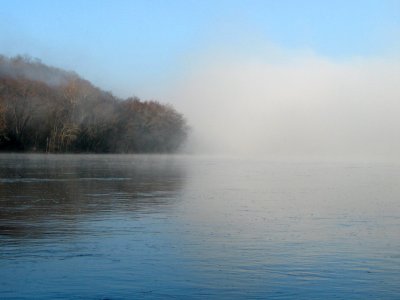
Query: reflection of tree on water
x=50, y=194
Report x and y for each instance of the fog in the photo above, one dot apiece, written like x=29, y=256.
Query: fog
x=291, y=106
x=33, y=69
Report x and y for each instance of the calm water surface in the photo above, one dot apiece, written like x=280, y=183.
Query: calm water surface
x=159, y=227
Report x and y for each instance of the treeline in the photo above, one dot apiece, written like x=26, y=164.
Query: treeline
x=50, y=110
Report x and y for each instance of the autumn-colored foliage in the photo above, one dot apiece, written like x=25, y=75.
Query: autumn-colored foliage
x=50, y=110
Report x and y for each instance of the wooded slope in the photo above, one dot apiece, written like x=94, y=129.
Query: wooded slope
x=47, y=109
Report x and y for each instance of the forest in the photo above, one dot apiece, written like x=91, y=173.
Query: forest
x=46, y=109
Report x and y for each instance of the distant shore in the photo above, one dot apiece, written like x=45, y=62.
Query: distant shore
x=49, y=110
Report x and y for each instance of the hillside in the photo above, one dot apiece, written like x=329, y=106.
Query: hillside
x=47, y=109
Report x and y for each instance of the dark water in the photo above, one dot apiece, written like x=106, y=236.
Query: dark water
x=159, y=227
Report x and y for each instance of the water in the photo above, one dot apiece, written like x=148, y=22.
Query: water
x=159, y=227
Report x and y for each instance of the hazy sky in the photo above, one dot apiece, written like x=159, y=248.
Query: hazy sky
x=295, y=76
x=127, y=44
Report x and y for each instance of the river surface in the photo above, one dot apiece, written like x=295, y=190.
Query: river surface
x=186, y=227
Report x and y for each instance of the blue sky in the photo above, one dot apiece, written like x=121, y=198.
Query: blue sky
x=141, y=43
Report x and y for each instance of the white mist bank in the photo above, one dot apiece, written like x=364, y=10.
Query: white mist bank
x=304, y=106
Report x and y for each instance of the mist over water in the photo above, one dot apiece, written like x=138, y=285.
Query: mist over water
x=287, y=187
x=290, y=105
x=191, y=227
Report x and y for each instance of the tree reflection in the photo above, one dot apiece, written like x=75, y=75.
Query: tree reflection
x=50, y=194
